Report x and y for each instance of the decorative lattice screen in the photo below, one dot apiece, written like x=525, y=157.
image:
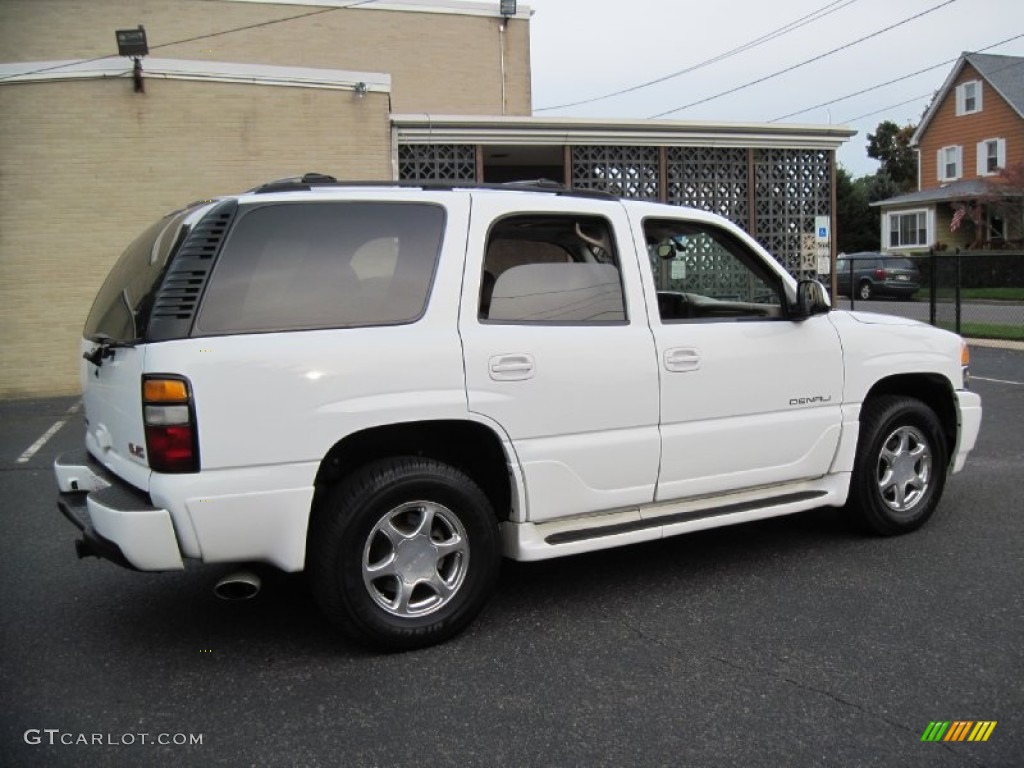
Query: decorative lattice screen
x=624, y=171
x=437, y=162
x=792, y=186
x=711, y=179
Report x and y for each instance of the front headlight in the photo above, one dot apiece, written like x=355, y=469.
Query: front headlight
x=965, y=363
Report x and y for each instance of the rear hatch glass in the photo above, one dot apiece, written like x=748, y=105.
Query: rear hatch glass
x=121, y=310
x=900, y=264
x=112, y=382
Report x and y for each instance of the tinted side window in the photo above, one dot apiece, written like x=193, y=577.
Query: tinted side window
x=705, y=273
x=551, y=269
x=298, y=266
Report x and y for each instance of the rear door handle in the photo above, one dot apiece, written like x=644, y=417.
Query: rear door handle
x=517, y=367
x=682, y=359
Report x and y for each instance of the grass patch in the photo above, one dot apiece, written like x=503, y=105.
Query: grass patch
x=989, y=294
x=987, y=330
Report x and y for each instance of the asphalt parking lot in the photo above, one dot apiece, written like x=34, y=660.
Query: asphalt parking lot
x=793, y=642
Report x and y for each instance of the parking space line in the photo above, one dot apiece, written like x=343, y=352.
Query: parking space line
x=33, y=449
x=998, y=381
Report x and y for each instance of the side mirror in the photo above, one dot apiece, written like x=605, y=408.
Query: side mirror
x=811, y=299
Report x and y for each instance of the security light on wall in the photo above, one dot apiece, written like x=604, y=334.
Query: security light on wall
x=508, y=7
x=132, y=43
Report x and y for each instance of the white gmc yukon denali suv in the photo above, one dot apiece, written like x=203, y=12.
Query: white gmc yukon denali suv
x=392, y=387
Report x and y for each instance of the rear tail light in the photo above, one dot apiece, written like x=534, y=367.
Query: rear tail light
x=965, y=363
x=880, y=273
x=170, y=421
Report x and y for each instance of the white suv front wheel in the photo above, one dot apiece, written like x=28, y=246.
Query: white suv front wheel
x=404, y=553
x=900, y=469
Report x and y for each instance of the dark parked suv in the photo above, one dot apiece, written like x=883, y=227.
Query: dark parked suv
x=876, y=274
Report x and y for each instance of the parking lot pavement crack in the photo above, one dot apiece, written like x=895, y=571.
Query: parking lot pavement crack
x=966, y=759
x=678, y=652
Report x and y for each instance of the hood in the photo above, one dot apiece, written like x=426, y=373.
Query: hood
x=874, y=318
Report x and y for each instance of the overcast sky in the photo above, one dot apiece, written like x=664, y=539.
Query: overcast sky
x=587, y=48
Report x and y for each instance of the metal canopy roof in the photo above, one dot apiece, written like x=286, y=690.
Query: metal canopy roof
x=463, y=129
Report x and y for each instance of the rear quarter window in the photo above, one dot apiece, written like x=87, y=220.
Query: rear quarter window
x=299, y=266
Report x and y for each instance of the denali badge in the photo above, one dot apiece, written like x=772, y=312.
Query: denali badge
x=137, y=451
x=811, y=400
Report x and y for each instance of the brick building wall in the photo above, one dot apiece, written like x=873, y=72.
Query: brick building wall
x=444, y=63
x=86, y=165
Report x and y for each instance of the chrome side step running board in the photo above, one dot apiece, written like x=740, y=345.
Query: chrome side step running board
x=679, y=517
x=588, y=533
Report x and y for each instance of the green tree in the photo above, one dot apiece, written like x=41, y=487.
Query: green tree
x=890, y=144
x=879, y=186
x=858, y=226
x=1002, y=196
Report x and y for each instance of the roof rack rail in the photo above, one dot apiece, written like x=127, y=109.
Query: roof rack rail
x=318, y=178
x=554, y=187
x=310, y=180
x=295, y=183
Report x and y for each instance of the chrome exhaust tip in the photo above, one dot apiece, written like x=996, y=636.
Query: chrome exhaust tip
x=240, y=585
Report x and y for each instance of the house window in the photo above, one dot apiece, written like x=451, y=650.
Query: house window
x=908, y=229
x=950, y=162
x=968, y=98
x=991, y=156
x=996, y=226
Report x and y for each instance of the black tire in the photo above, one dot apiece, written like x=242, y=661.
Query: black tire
x=900, y=468
x=361, y=518
x=865, y=291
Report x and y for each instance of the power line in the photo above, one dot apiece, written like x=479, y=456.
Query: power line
x=866, y=90
x=890, y=82
x=891, y=106
x=264, y=24
x=194, y=39
x=61, y=66
x=806, y=62
x=785, y=29
x=1011, y=65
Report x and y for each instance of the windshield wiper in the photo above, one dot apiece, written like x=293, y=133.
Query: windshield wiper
x=105, y=346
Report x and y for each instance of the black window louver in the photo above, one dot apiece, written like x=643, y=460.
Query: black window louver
x=176, y=301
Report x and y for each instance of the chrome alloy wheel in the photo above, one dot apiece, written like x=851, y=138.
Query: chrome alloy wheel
x=415, y=559
x=904, y=468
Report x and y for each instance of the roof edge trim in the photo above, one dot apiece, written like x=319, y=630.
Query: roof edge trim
x=441, y=129
x=185, y=69
x=467, y=8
